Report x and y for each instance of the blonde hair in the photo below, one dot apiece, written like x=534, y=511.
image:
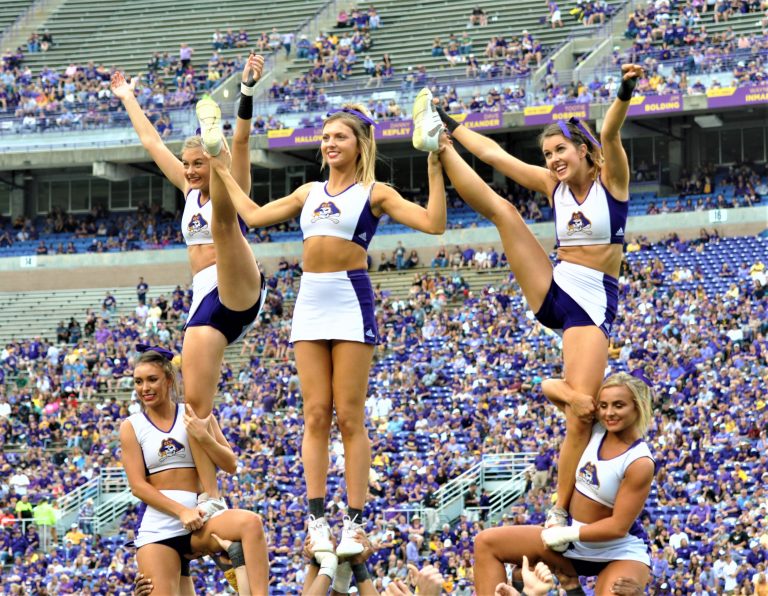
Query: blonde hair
x=642, y=395
x=577, y=138
x=365, y=170
x=193, y=142
x=152, y=357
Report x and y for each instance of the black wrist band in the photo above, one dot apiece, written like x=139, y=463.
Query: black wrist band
x=314, y=563
x=449, y=122
x=360, y=571
x=626, y=89
x=236, y=554
x=245, y=109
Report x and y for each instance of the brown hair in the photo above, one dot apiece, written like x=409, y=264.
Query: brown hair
x=365, y=171
x=577, y=138
x=152, y=357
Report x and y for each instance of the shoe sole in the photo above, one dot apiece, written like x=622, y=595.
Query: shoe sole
x=209, y=116
x=423, y=139
x=347, y=552
x=323, y=548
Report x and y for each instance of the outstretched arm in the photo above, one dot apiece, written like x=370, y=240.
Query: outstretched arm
x=241, y=163
x=171, y=167
x=255, y=216
x=431, y=220
x=535, y=178
x=616, y=168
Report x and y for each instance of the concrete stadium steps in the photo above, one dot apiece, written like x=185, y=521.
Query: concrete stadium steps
x=408, y=31
x=10, y=11
x=126, y=34
x=30, y=314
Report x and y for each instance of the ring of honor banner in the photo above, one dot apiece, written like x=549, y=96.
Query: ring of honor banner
x=728, y=97
x=387, y=129
x=546, y=114
x=644, y=105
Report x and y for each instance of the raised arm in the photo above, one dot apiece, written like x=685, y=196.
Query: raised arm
x=150, y=139
x=431, y=220
x=535, y=178
x=133, y=463
x=615, y=171
x=241, y=163
x=255, y=216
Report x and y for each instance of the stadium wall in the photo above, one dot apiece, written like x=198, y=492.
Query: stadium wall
x=170, y=266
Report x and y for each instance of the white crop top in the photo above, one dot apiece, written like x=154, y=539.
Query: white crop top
x=162, y=450
x=347, y=215
x=599, y=479
x=196, y=220
x=598, y=219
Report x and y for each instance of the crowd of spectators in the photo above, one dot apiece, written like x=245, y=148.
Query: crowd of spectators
x=669, y=38
x=150, y=227
x=146, y=228
x=676, y=33
x=457, y=377
x=334, y=57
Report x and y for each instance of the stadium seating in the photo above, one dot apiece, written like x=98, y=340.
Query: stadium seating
x=118, y=35
x=407, y=34
x=11, y=10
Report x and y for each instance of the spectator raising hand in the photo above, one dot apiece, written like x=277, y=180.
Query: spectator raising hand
x=428, y=582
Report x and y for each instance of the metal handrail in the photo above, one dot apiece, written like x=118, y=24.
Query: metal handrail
x=106, y=513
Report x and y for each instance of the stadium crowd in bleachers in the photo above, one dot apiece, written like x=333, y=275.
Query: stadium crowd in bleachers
x=149, y=227
x=441, y=395
x=668, y=38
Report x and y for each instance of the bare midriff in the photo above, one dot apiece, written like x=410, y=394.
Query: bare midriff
x=201, y=256
x=601, y=257
x=323, y=254
x=176, y=479
x=586, y=510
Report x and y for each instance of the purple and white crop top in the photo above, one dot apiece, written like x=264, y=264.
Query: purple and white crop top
x=162, y=450
x=347, y=215
x=196, y=220
x=599, y=479
x=598, y=219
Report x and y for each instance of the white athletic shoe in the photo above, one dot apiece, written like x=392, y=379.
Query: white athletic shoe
x=320, y=534
x=211, y=507
x=426, y=122
x=348, y=546
x=209, y=116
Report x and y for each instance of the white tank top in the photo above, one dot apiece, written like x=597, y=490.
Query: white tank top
x=598, y=219
x=162, y=450
x=346, y=215
x=599, y=479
